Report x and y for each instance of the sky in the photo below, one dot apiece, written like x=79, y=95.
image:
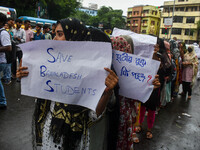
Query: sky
x=123, y=4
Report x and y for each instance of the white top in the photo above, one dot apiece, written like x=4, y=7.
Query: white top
x=20, y=33
x=5, y=41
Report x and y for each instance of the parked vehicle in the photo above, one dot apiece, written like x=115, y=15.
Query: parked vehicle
x=35, y=21
x=9, y=12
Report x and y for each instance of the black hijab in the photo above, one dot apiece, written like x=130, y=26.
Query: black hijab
x=74, y=29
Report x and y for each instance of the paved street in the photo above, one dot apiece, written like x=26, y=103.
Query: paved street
x=172, y=130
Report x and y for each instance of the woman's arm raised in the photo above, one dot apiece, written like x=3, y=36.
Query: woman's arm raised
x=110, y=82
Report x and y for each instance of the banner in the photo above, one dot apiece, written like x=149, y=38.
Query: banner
x=66, y=72
x=136, y=75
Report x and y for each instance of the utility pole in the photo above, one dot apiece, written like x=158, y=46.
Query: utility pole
x=172, y=19
x=189, y=35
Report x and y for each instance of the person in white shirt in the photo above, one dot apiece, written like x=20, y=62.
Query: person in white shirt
x=5, y=46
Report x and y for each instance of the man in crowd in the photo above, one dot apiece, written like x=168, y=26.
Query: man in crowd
x=38, y=35
x=19, y=36
x=6, y=79
x=5, y=46
x=29, y=33
x=53, y=33
x=11, y=23
x=46, y=34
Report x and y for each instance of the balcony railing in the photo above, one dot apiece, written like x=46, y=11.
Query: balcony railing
x=135, y=24
x=144, y=24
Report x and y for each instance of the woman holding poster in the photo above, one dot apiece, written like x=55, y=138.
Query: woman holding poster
x=128, y=108
x=154, y=101
x=63, y=126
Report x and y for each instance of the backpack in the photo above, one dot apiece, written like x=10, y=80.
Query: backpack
x=10, y=55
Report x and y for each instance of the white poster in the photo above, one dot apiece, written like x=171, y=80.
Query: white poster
x=143, y=44
x=136, y=75
x=66, y=72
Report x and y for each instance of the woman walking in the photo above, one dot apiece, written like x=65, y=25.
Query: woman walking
x=190, y=68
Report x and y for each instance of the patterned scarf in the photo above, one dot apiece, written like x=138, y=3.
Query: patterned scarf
x=192, y=57
x=130, y=41
x=120, y=43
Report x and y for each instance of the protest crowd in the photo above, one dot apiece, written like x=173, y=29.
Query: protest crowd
x=71, y=129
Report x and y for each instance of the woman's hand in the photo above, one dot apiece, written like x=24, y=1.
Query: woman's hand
x=20, y=72
x=156, y=82
x=186, y=63
x=111, y=80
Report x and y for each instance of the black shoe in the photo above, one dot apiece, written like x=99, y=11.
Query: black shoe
x=182, y=94
x=3, y=107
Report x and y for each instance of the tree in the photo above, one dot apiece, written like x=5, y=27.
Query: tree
x=55, y=9
x=111, y=18
x=94, y=21
x=84, y=17
x=60, y=9
x=106, y=15
x=25, y=8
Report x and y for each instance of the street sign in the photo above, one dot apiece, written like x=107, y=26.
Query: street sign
x=168, y=21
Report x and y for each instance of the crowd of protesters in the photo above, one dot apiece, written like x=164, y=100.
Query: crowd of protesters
x=125, y=116
x=17, y=35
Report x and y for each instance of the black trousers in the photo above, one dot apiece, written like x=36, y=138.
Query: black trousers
x=172, y=88
x=187, y=88
x=19, y=55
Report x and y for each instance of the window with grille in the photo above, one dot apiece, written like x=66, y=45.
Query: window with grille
x=143, y=31
x=178, y=19
x=176, y=31
x=188, y=32
x=190, y=19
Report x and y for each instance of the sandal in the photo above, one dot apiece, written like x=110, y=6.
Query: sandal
x=189, y=98
x=138, y=129
x=149, y=135
x=135, y=139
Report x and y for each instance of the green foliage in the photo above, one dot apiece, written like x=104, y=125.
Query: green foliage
x=106, y=15
x=23, y=8
x=59, y=9
x=56, y=9
x=94, y=21
x=111, y=18
x=84, y=17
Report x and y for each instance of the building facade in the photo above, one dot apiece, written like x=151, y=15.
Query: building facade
x=186, y=16
x=89, y=11
x=144, y=19
x=134, y=18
